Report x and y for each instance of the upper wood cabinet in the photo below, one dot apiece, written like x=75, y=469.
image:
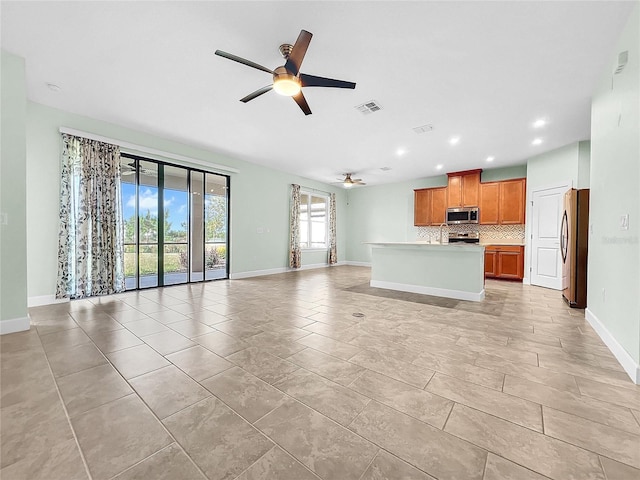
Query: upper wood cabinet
x=422, y=207
x=430, y=206
x=439, y=206
x=489, y=203
x=463, y=189
x=512, y=202
x=502, y=203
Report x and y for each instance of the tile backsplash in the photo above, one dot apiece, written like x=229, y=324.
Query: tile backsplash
x=487, y=233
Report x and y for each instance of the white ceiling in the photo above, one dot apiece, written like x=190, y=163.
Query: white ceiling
x=481, y=70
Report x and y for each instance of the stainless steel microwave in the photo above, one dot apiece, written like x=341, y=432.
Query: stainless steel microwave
x=458, y=216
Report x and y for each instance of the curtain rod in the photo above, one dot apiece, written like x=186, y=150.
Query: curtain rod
x=133, y=148
x=302, y=187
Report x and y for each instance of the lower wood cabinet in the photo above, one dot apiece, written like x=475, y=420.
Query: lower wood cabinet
x=504, y=261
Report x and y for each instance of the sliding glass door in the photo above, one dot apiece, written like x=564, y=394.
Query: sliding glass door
x=176, y=222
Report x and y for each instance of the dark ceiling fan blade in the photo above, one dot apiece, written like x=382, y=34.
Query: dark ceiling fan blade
x=313, y=81
x=244, y=61
x=302, y=103
x=297, y=53
x=257, y=93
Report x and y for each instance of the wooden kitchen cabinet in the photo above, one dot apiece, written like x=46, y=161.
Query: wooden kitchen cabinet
x=503, y=203
x=422, y=207
x=439, y=206
x=489, y=203
x=430, y=206
x=504, y=262
x=512, y=202
x=490, y=263
x=463, y=189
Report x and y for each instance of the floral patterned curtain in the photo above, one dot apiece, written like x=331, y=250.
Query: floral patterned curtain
x=295, y=260
x=333, y=253
x=91, y=238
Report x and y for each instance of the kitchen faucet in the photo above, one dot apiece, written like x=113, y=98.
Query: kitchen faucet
x=444, y=224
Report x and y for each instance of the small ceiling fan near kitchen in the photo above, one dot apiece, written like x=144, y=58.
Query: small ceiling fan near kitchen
x=287, y=79
x=349, y=182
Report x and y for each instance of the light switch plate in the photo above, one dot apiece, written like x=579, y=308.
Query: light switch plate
x=624, y=222
x=4, y=218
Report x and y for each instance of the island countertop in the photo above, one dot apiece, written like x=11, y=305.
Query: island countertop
x=459, y=246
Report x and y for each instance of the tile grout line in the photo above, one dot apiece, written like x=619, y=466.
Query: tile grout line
x=64, y=408
x=134, y=392
x=539, y=433
x=369, y=464
x=588, y=449
x=486, y=462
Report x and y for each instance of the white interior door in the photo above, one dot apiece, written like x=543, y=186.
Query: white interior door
x=546, y=260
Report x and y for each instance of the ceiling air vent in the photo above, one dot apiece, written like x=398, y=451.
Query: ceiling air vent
x=623, y=58
x=369, y=107
x=385, y=169
x=423, y=129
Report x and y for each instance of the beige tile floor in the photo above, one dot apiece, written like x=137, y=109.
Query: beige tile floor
x=275, y=378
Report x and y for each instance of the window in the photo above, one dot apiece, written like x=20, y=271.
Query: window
x=314, y=215
x=176, y=221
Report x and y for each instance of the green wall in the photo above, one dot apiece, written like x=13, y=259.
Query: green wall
x=568, y=164
x=13, y=252
x=506, y=173
x=384, y=213
x=614, y=254
x=259, y=199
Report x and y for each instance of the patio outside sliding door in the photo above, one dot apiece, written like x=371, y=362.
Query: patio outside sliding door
x=176, y=221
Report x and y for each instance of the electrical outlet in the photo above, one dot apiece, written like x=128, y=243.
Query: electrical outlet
x=624, y=222
x=260, y=230
x=4, y=218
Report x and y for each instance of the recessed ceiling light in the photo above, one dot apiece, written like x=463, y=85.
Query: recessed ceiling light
x=53, y=87
x=490, y=159
x=454, y=140
x=537, y=141
x=400, y=152
x=439, y=167
x=541, y=122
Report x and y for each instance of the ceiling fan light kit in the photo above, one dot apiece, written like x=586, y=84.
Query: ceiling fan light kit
x=287, y=79
x=284, y=83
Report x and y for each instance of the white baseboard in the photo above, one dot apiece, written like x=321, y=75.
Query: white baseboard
x=526, y=281
x=14, y=325
x=44, y=300
x=628, y=363
x=357, y=264
x=437, y=292
x=310, y=267
x=273, y=271
x=257, y=273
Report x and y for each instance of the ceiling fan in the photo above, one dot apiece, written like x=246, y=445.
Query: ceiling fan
x=130, y=169
x=349, y=182
x=287, y=79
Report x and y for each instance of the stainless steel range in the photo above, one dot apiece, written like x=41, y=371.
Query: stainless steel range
x=467, y=237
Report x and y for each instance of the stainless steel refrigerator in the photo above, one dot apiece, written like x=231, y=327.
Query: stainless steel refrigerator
x=574, y=239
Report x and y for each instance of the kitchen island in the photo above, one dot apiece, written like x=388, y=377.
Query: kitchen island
x=449, y=270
